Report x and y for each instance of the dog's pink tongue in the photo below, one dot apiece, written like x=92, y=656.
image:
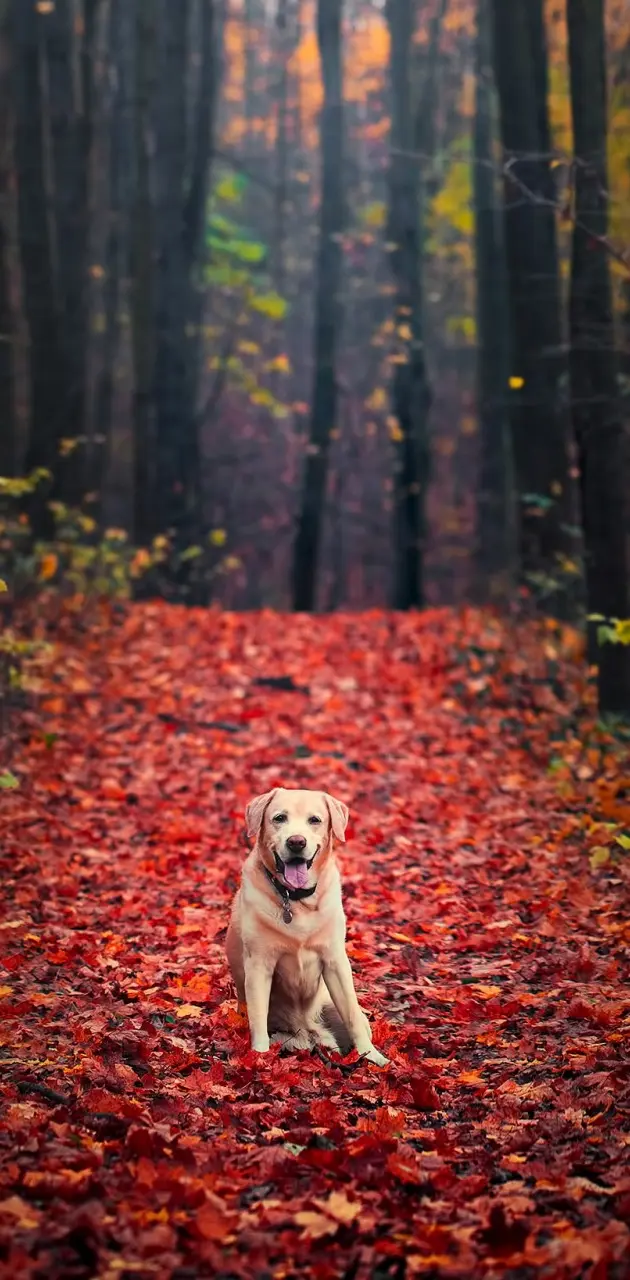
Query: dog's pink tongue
x=296, y=874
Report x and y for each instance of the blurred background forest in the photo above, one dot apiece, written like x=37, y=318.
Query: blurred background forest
x=319, y=303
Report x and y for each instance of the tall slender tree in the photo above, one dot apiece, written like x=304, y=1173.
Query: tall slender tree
x=410, y=391
x=142, y=243
x=204, y=122
x=327, y=309
x=8, y=441
x=495, y=551
x=70, y=122
x=601, y=433
x=538, y=418
x=47, y=356
x=117, y=110
x=174, y=441
x=182, y=173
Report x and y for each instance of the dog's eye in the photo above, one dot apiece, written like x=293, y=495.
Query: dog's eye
x=279, y=817
x=315, y=821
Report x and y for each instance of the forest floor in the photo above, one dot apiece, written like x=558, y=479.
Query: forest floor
x=486, y=885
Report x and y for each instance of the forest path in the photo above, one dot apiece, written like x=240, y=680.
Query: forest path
x=492, y=958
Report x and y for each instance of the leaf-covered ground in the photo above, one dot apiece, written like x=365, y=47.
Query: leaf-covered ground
x=490, y=945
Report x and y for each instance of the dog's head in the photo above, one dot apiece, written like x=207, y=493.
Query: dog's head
x=295, y=829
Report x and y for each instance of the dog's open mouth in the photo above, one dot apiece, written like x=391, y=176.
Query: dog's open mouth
x=295, y=873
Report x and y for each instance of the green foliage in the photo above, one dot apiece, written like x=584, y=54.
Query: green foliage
x=611, y=630
x=8, y=781
x=82, y=563
x=234, y=253
x=538, y=501
x=240, y=293
x=452, y=205
x=23, y=486
x=269, y=304
x=449, y=239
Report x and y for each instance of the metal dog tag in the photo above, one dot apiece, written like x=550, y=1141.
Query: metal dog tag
x=287, y=914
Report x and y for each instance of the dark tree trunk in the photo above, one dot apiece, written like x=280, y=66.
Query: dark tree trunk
x=71, y=125
x=495, y=551
x=204, y=121
x=118, y=163
x=177, y=459
x=8, y=441
x=288, y=33
x=48, y=380
x=410, y=392
x=602, y=437
x=538, y=418
x=327, y=310
x=143, y=276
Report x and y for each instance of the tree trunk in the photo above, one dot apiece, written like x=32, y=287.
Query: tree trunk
x=327, y=310
x=177, y=459
x=118, y=164
x=496, y=550
x=8, y=441
x=48, y=380
x=204, y=122
x=410, y=393
x=602, y=437
x=288, y=33
x=142, y=278
x=538, y=419
x=71, y=125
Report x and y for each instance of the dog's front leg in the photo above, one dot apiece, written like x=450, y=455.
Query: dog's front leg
x=258, y=976
x=338, y=978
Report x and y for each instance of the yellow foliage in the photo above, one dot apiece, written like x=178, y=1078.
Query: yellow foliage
x=377, y=400
x=281, y=364
x=140, y=562
x=394, y=429
x=453, y=203
x=374, y=214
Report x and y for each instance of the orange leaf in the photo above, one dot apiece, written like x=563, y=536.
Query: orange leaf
x=406, y=1169
x=213, y=1220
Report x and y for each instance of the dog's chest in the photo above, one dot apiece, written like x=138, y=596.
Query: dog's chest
x=298, y=973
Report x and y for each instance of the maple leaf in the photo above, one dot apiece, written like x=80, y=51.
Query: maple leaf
x=315, y=1225
x=406, y=1168
x=338, y=1206
x=423, y=1093
x=213, y=1221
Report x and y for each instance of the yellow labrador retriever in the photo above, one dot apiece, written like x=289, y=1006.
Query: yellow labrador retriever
x=286, y=940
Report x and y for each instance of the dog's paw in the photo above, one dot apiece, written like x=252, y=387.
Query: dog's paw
x=374, y=1056
x=261, y=1046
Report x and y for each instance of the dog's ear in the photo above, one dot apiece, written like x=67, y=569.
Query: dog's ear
x=339, y=814
x=255, y=812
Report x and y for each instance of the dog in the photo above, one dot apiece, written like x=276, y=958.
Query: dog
x=285, y=944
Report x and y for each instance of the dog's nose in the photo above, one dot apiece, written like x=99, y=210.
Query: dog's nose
x=296, y=844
